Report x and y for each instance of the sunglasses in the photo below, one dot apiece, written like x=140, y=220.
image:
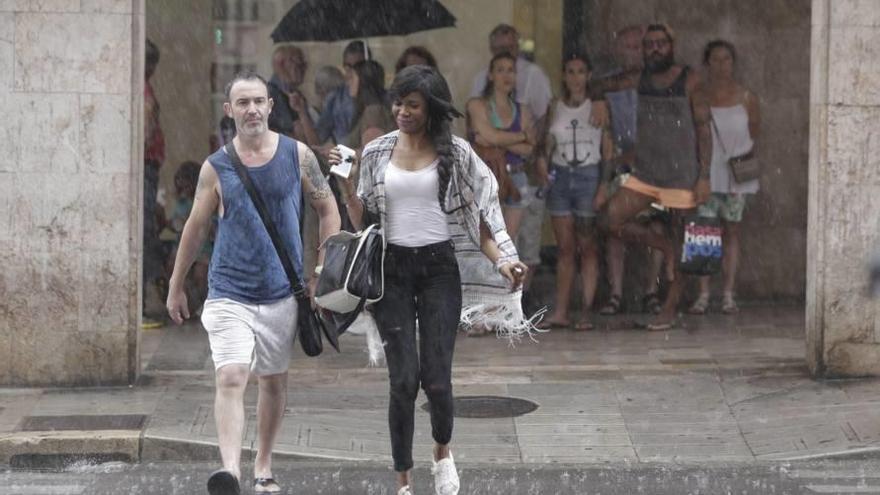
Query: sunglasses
x=661, y=43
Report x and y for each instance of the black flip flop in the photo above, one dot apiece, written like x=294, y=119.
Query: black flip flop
x=223, y=482
x=612, y=307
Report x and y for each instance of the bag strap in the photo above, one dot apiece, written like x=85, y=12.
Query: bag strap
x=718, y=133
x=298, y=290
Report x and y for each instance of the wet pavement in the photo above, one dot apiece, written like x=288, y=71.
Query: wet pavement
x=719, y=389
x=369, y=478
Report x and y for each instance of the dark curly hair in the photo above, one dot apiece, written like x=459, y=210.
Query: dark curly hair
x=715, y=44
x=428, y=82
x=418, y=51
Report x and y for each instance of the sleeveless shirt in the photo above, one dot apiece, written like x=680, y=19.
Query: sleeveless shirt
x=666, y=154
x=245, y=266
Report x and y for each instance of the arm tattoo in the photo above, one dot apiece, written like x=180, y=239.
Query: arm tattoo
x=311, y=171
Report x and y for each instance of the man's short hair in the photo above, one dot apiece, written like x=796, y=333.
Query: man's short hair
x=328, y=78
x=503, y=30
x=286, y=49
x=663, y=28
x=246, y=75
x=151, y=54
x=360, y=47
x=637, y=29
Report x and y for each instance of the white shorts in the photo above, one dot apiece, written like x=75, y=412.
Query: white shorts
x=259, y=335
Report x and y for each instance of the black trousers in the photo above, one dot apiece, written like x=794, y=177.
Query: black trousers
x=421, y=284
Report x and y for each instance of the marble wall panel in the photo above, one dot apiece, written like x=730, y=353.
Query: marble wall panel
x=107, y=6
x=854, y=67
x=67, y=245
x=47, y=60
x=40, y=5
x=7, y=33
x=104, y=134
x=104, y=281
x=103, y=197
x=853, y=152
x=45, y=132
x=855, y=13
x=70, y=358
x=851, y=226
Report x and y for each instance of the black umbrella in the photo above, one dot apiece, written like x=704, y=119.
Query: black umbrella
x=334, y=20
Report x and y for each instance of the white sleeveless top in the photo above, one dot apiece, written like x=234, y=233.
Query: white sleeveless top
x=732, y=124
x=576, y=139
x=413, y=214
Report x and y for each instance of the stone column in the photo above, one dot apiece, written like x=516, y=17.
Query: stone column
x=71, y=93
x=843, y=335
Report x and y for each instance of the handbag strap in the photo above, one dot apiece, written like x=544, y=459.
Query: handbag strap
x=298, y=290
x=718, y=133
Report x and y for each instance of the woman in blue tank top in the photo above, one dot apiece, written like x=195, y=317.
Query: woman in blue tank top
x=501, y=132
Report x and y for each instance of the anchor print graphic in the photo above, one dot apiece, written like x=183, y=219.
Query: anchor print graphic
x=575, y=160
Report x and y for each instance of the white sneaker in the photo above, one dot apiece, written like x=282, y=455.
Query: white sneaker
x=445, y=476
x=405, y=491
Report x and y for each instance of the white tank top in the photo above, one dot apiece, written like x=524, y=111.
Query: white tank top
x=731, y=128
x=576, y=139
x=412, y=207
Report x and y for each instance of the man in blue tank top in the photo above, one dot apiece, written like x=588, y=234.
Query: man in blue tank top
x=250, y=313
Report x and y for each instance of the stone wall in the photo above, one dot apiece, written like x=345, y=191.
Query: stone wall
x=773, y=43
x=843, y=323
x=70, y=91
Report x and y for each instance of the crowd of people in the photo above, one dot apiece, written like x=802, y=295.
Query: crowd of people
x=574, y=155
x=615, y=159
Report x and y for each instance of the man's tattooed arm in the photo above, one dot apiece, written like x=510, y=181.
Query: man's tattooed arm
x=701, y=107
x=313, y=180
x=316, y=188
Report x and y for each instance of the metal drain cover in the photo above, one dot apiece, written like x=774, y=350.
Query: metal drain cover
x=489, y=406
x=84, y=422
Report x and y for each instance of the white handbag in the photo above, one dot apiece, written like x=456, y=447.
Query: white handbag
x=353, y=272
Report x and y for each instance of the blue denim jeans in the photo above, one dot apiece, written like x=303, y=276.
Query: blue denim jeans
x=573, y=191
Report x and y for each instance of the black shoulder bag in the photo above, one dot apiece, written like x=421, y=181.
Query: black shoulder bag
x=309, y=322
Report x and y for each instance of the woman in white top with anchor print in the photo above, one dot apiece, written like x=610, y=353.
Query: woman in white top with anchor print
x=577, y=152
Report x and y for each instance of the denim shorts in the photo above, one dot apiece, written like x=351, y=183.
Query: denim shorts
x=521, y=182
x=573, y=191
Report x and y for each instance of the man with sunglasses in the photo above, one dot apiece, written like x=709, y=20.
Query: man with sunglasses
x=672, y=159
x=336, y=118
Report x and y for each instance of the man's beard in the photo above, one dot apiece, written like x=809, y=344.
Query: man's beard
x=657, y=65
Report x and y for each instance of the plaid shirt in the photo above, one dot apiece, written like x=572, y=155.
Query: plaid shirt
x=472, y=195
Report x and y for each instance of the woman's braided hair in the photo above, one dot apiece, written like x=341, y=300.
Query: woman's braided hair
x=432, y=86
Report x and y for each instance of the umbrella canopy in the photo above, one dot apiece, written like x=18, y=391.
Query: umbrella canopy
x=334, y=20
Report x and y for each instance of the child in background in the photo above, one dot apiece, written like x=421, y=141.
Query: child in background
x=185, y=180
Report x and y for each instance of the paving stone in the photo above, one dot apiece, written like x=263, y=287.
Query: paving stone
x=722, y=389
